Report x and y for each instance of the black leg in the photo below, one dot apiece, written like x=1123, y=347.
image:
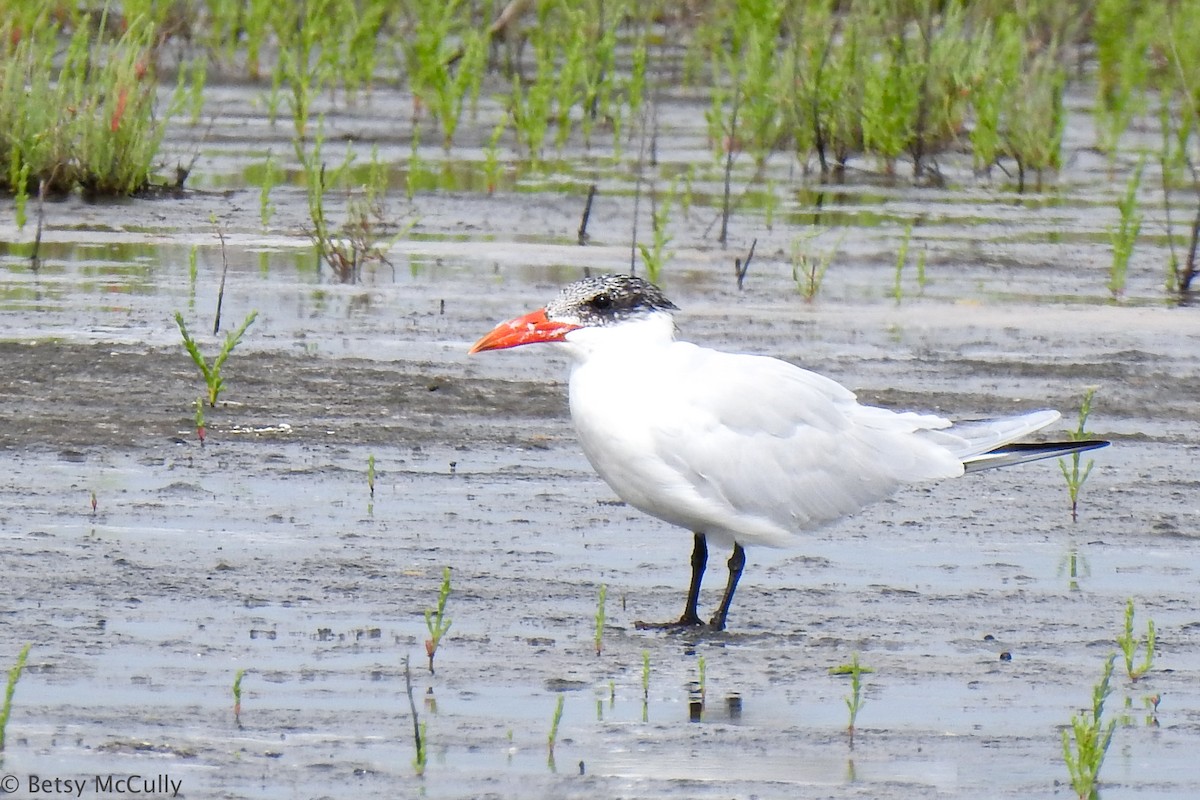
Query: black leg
x=737, y=562
x=690, y=616
x=699, y=562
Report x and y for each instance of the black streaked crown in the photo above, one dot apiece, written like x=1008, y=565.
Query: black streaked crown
x=608, y=299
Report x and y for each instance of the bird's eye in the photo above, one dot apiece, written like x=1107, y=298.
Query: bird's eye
x=601, y=302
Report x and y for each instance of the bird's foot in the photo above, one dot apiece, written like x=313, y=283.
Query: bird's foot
x=685, y=622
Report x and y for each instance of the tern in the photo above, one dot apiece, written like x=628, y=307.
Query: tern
x=739, y=449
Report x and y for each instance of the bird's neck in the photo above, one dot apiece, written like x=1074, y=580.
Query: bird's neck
x=631, y=336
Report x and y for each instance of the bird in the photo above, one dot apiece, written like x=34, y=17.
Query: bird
x=741, y=450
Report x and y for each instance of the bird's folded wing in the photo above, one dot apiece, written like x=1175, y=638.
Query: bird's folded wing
x=762, y=438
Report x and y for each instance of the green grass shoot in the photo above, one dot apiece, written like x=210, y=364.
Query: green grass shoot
x=237, y=695
x=436, y=620
x=1086, y=741
x=599, y=636
x=1074, y=476
x=558, y=712
x=201, y=427
x=420, y=756
x=855, y=701
x=371, y=474
x=1125, y=234
x=1129, y=642
x=212, y=372
x=492, y=165
x=193, y=272
x=271, y=175
x=654, y=255
x=901, y=261
x=20, y=183
x=14, y=675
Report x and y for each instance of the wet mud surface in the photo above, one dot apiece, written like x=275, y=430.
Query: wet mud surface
x=984, y=611
x=262, y=550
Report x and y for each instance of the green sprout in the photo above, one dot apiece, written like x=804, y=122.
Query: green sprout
x=192, y=274
x=1074, y=476
x=599, y=638
x=237, y=695
x=201, y=428
x=14, y=675
x=558, y=711
x=1128, y=643
x=854, y=702
x=1124, y=236
x=436, y=621
x=654, y=256
x=212, y=372
x=271, y=175
x=420, y=756
x=901, y=261
x=808, y=272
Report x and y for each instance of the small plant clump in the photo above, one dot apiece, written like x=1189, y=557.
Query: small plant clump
x=808, y=272
x=1129, y=643
x=1086, y=742
x=78, y=100
x=361, y=239
x=436, y=621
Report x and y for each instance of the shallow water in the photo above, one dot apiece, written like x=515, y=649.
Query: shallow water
x=263, y=550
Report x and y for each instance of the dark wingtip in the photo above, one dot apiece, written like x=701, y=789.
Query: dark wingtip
x=1023, y=452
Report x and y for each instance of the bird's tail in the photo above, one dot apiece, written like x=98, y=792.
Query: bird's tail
x=1020, y=452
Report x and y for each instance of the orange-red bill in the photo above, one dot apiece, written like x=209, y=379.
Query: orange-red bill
x=531, y=328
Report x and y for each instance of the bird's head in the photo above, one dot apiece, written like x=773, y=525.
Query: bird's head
x=604, y=301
